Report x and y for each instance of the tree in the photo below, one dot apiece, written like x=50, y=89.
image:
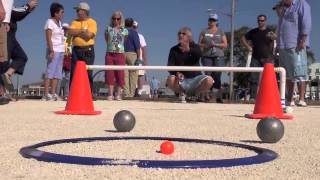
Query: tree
x=240, y=54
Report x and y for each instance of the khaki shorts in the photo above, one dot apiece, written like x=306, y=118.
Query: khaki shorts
x=3, y=43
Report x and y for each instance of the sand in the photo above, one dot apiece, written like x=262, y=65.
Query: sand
x=28, y=122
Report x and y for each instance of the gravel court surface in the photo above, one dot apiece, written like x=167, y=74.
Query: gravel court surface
x=29, y=122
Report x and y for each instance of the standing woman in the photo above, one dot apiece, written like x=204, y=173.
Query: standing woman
x=212, y=41
x=115, y=35
x=55, y=51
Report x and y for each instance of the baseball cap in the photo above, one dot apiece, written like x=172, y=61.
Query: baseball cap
x=135, y=23
x=213, y=16
x=83, y=5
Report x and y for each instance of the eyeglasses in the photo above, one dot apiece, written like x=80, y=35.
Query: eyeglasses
x=118, y=19
x=261, y=20
x=212, y=20
x=182, y=33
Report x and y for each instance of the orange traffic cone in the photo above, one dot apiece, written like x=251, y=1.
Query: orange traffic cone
x=268, y=99
x=80, y=99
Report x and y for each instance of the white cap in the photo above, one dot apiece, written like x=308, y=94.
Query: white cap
x=84, y=6
x=213, y=16
x=135, y=23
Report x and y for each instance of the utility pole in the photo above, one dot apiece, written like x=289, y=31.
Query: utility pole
x=233, y=7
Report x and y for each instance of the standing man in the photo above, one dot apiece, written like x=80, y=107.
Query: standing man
x=132, y=49
x=83, y=30
x=143, y=57
x=293, y=38
x=260, y=42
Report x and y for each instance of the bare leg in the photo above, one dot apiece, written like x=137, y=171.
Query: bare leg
x=205, y=85
x=118, y=91
x=54, y=83
x=302, y=90
x=173, y=83
x=110, y=90
x=46, y=87
x=290, y=86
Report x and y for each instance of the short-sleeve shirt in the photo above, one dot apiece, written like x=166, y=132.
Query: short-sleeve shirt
x=57, y=37
x=132, y=43
x=262, y=44
x=142, y=44
x=208, y=39
x=89, y=24
x=116, y=39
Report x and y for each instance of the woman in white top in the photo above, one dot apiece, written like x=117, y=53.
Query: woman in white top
x=55, y=51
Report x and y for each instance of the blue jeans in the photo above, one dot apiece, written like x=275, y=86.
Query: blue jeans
x=214, y=62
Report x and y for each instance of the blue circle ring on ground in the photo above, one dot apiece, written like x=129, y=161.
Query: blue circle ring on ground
x=263, y=155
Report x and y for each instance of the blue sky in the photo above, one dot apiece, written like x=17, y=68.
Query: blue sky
x=159, y=22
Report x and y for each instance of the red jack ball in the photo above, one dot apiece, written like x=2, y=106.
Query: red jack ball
x=167, y=147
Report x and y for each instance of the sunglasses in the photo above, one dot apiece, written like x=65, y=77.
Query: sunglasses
x=118, y=19
x=261, y=20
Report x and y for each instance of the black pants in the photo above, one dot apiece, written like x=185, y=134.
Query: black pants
x=17, y=56
x=85, y=54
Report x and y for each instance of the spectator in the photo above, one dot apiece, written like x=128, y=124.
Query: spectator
x=293, y=39
x=64, y=85
x=132, y=48
x=17, y=58
x=115, y=36
x=55, y=51
x=260, y=41
x=187, y=53
x=83, y=30
x=143, y=57
x=154, y=85
x=212, y=41
x=5, y=16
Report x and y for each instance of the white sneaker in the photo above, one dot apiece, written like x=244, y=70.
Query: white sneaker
x=118, y=98
x=182, y=98
x=292, y=103
x=302, y=103
x=55, y=97
x=46, y=98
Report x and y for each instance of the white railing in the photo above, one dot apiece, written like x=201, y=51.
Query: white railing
x=280, y=70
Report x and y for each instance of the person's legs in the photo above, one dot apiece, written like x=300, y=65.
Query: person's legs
x=205, y=85
x=296, y=70
x=254, y=78
x=131, y=76
x=218, y=62
x=208, y=62
x=302, y=90
x=119, y=75
x=3, y=43
x=109, y=75
x=173, y=84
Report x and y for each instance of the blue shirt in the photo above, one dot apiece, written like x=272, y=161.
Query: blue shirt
x=295, y=21
x=132, y=43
